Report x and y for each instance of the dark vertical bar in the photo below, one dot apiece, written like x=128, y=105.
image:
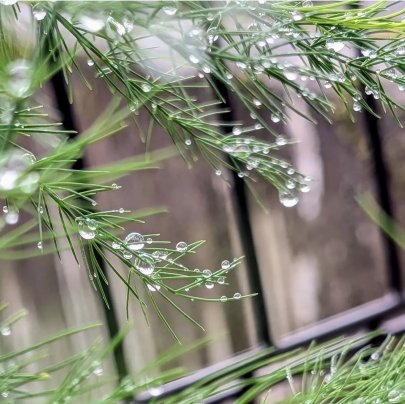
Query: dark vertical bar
x=382, y=181
x=69, y=123
x=241, y=209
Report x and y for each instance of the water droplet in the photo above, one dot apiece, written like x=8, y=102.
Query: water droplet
x=281, y=140
x=237, y=296
x=5, y=209
x=221, y=280
x=288, y=199
x=336, y=46
x=156, y=391
x=121, y=210
x=134, y=241
x=169, y=10
x=8, y=2
x=145, y=265
x=297, y=16
x=290, y=184
x=209, y=285
x=304, y=188
x=307, y=3
x=275, y=118
x=395, y=396
x=193, y=59
x=229, y=76
x=369, y=53
x=356, y=106
x=206, y=69
x=188, y=142
x=5, y=394
x=241, y=65
x=146, y=87
x=91, y=224
x=257, y=103
x=181, y=246
x=127, y=255
x=39, y=14
x=115, y=186
x=85, y=232
x=237, y=130
x=92, y=24
x=5, y=331
x=223, y=299
x=98, y=370
x=115, y=245
x=11, y=217
x=207, y=273
x=39, y=245
x=225, y=264
x=149, y=240
x=40, y=209
x=90, y=62
x=19, y=82
x=218, y=172
x=153, y=288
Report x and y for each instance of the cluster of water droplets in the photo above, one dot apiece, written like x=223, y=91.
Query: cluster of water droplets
x=257, y=156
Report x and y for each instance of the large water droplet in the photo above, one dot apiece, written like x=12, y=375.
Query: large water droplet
x=395, y=396
x=181, y=246
x=288, y=199
x=92, y=24
x=156, y=391
x=145, y=264
x=356, y=106
x=84, y=231
x=297, y=16
x=237, y=130
x=146, y=87
x=281, y=140
x=134, y=241
x=275, y=118
x=334, y=45
x=225, y=264
x=127, y=255
x=98, y=370
x=11, y=217
x=19, y=82
x=207, y=273
x=193, y=59
x=153, y=288
x=237, y=296
x=5, y=331
x=257, y=103
x=169, y=10
x=115, y=245
x=39, y=14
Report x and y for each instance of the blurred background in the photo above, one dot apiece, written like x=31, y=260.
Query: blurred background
x=316, y=260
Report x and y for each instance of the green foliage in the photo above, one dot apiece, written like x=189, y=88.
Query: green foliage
x=159, y=57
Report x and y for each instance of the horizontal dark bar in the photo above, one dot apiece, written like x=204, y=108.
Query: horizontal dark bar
x=354, y=318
